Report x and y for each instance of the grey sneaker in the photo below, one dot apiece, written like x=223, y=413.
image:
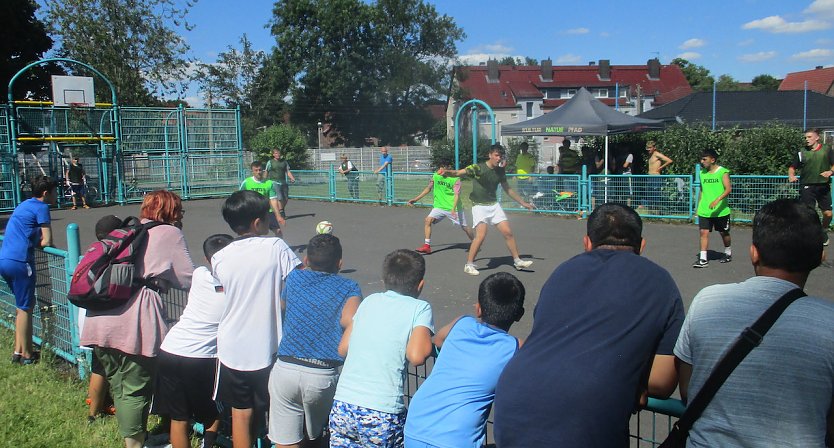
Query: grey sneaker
x=522, y=264
x=470, y=269
x=825, y=243
x=700, y=263
x=726, y=259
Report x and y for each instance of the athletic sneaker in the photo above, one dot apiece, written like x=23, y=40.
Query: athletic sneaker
x=424, y=249
x=522, y=264
x=700, y=263
x=825, y=243
x=470, y=269
x=726, y=259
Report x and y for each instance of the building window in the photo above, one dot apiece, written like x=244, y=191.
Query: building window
x=568, y=93
x=601, y=93
x=483, y=118
x=529, y=109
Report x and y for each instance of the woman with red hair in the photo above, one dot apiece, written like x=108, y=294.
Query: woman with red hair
x=126, y=339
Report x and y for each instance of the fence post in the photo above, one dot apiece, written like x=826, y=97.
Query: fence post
x=389, y=185
x=331, y=177
x=584, y=192
x=73, y=254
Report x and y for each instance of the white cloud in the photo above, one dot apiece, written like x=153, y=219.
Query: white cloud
x=604, y=34
x=689, y=55
x=482, y=53
x=816, y=53
x=569, y=58
x=195, y=101
x=692, y=43
x=757, y=57
x=821, y=8
x=581, y=30
x=776, y=24
x=746, y=42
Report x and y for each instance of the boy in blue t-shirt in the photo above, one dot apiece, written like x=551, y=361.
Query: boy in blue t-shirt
x=318, y=306
x=451, y=407
x=388, y=330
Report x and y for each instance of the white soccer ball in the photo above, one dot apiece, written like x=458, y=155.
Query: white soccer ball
x=324, y=228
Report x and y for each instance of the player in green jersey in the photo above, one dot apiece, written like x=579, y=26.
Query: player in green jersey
x=446, y=205
x=713, y=210
x=266, y=188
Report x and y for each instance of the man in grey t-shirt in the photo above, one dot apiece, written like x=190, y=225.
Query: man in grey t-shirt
x=781, y=393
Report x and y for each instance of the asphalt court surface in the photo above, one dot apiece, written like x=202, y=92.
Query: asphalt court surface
x=369, y=232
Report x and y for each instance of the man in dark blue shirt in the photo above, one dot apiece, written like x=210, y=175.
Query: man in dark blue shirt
x=603, y=333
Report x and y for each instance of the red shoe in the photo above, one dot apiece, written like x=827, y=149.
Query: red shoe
x=424, y=249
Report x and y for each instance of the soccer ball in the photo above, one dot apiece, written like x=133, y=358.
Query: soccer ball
x=324, y=228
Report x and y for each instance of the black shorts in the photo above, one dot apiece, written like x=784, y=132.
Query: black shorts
x=96, y=367
x=243, y=389
x=816, y=195
x=719, y=223
x=184, y=388
x=273, y=221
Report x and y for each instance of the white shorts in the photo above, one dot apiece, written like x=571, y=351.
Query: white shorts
x=439, y=214
x=299, y=397
x=489, y=214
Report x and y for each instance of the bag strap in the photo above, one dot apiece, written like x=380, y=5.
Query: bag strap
x=749, y=339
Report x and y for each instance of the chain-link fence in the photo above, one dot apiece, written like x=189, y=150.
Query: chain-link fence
x=407, y=159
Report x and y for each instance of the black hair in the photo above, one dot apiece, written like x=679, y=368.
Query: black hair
x=613, y=224
x=42, y=185
x=242, y=208
x=324, y=252
x=817, y=131
x=550, y=169
x=501, y=297
x=214, y=243
x=107, y=224
x=496, y=147
x=709, y=153
x=403, y=270
x=256, y=163
x=788, y=236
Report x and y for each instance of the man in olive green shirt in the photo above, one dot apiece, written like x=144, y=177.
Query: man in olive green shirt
x=713, y=210
x=486, y=177
x=816, y=165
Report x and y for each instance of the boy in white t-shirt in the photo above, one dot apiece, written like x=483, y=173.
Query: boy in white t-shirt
x=389, y=329
x=252, y=270
x=187, y=361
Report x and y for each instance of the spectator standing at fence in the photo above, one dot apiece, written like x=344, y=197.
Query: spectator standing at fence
x=252, y=270
x=781, y=393
x=486, y=210
x=318, y=306
x=188, y=356
x=389, y=330
x=278, y=171
x=656, y=163
x=451, y=407
x=386, y=162
x=816, y=166
x=525, y=164
x=127, y=338
x=76, y=180
x=446, y=205
x=569, y=160
x=603, y=333
x=351, y=173
x=29, y=227
x=713, y=208
x=267, y=189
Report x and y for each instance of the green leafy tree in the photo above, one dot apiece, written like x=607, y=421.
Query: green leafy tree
x=697, y=76
x=766, y=82
x=727, y=83
x=23, y=40
x=133, y=43
x=367, y=69
x=288, y=138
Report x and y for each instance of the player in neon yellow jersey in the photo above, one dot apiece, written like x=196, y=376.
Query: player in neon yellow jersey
x=713, y=210
x=446, y=205
x=265, y=187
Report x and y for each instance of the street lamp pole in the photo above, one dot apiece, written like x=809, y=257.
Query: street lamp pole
x=319, y=127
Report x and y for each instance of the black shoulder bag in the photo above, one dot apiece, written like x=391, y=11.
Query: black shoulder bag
x=745, y=343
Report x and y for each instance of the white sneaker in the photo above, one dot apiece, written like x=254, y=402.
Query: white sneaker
x=470, y=269
x=522, y=264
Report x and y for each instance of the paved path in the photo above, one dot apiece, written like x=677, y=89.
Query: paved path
x=369, y=232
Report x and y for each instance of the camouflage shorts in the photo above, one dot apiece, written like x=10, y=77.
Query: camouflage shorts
x=352, y=425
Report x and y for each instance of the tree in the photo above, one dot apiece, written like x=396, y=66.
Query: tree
x=697, y=76
x=134, y=44
x=290, y=139
x=765, y=82
x=366, y=69
x=23, y=40
x=727, y=83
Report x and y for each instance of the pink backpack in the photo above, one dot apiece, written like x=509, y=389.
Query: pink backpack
x=106, y=277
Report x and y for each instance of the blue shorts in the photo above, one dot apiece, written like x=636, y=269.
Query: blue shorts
x=352, y=425
x=20, y=275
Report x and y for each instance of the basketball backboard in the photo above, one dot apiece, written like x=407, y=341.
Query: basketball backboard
x=73, y=91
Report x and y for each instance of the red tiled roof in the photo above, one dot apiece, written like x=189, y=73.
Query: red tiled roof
x=516, y=82
x=819, y=80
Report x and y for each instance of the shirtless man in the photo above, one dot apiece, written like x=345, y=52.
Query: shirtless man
x=657, y=162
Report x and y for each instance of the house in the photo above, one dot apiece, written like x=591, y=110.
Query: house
x=749, y=109
x=518, y=93
x=819, y=80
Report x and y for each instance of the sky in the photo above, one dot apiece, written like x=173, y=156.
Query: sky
x=741, y=38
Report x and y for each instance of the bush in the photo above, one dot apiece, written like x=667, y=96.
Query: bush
x=288, y=138
x=444, y=150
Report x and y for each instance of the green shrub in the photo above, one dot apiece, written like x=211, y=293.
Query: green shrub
x=288, y=138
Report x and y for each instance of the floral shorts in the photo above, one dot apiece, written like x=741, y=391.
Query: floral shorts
x=352, y=426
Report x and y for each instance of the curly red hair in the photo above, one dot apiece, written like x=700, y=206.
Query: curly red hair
x=163, y=206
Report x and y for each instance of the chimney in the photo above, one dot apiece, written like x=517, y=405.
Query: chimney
x=492, y=71
x=819, y=67
x=654, y=68
x=604, y=69
x=547, y=70
x=592, y=63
